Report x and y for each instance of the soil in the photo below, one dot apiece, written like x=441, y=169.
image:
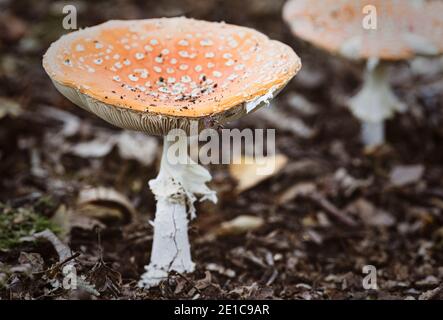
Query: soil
x=334, y=208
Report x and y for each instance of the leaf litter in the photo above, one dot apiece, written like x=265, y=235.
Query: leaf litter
x=306, y=246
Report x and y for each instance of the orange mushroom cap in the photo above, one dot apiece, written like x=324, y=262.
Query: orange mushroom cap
x=405, y=28
x=170, y=67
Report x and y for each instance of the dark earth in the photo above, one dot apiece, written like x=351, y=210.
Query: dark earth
x=334, y=208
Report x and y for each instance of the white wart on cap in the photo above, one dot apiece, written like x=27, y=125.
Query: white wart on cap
x=159, y=74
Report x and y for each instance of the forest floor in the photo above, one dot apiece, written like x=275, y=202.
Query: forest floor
x=332, y=209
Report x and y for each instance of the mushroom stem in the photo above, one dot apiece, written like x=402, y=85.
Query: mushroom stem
x=375, y=103
x=373, y=133
x=179, y=181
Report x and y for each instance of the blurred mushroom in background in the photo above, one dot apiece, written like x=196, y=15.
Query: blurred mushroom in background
x=379, y=32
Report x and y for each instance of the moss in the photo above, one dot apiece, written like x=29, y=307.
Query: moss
x=18, y=223
x=45, y=205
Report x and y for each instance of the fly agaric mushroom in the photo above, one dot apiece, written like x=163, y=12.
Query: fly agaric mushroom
x=157, y=75
x=378, y=31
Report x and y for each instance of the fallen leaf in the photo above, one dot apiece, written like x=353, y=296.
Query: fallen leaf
x=105, y=278
x=105, y=204
x=137, y=146
x=431, y=294
x=205, y=282
x=244, y=292
x=371, y=215
x=85, y=223
x=63, y=251
x=221, y=270
x=96, y=148
x=429, y=281
x=86, y=286
x=348, y=183
x=240, y=225
x=404, y=175
x=12, y=28
x=437, y=202
x=29, y=263
x=306, y=169
x=3, y=277
x=313, y=236
x=302, y=189
x=131, y=146
x=285, y=122
x=9, y=107
x=301, y=104
x=71, y=123
x=426, y=66
x=62, y=218
x=249, y=172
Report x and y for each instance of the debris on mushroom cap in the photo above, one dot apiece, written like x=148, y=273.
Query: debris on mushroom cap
x=404, y=28
x=174, y=67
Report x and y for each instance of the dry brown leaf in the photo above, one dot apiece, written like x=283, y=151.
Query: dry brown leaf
x=286, y=122
x=301, y=104
x=105, y=204
x=348, y=183
x=371, y=215
x=9, y=107
x=105, y=278
x=137, y=146
x=70, y=123
x=12, y=28
x=240, y=225
x=66, y=219
x=96, y=148
x=131, y=146
x=63, y=251
x=31, y=262
x=429, y=281
x=62, y=218
x=300, y=189
x=221, y=270
x=436, y=202
x=404, y=175
x=250, y=172
x=430, y=294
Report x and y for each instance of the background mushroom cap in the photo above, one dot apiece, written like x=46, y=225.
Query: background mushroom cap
x=158, y=74
x=405, y=27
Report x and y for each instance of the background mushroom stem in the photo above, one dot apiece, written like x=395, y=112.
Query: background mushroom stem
x=375, y=103
x=176, y=188
x=373, y=133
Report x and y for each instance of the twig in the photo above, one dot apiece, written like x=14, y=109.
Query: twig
x=74, y=256
x=187, y=280
x=56, y=268
x=272, y=277
x=431, y=294
x=332, y=210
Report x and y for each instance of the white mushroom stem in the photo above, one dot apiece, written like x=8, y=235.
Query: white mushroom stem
x=375, y=103
x=179, y=181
